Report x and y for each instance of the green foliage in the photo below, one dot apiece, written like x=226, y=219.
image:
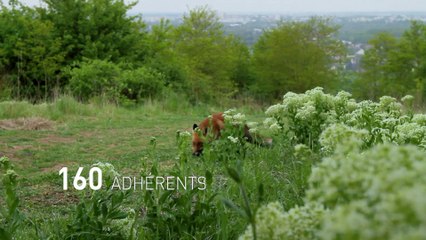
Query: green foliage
x=163, y=57
x=375, y=79
x=304, y=119
x=11, y=217
x=395, y=66
x=142, y=83
x=37, y=44
x=374, y=194
x=212, y=59
x=296, y=56
x=180, y=213
x=299, y=223
x=94, y=78
x=96, y=29
x=380, y=188
x=30, y=54
x=362, y=189
x=357, y=179
x=104, y=78
x=100, y=216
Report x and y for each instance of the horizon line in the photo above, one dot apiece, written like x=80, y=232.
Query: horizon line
x=290, y=12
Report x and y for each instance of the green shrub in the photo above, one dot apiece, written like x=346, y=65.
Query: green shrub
x=94, y=78
x=142, y=83
x=99, y=78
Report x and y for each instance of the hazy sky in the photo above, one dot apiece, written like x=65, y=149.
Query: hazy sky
x=281, y=6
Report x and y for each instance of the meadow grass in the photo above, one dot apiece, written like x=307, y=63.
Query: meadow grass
x=84, y=134
x=310, y=131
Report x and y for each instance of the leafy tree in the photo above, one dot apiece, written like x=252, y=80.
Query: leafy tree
x=296, y=56
x=242, y=75
x=395, y=67
x=37, y=44
x=210, y=57
x=375, y=64
x=410, y=61
x=162, y=57
x=97, y=29
x=30, y=54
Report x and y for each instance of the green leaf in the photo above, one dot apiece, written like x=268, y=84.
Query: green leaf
x=234, y=175
x=229, y=204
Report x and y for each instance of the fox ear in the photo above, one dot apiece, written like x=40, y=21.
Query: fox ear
x=194, y=126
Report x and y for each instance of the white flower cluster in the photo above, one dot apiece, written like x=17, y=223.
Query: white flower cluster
x=233, y=117
x=377, y=194
x=307, y=115
x=408, y=99
x=184, y=134
x=253, y=127
x=275, y=110
x=233, y=139
x=410, y=133
x=301, y=151
x=420, y=119
x=340, y=134
x=272, y=223
x=372, y=183
x=108, y=170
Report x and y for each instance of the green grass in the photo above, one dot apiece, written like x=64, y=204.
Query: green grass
x=84, y=137
x=84, y=134
x=150, y=139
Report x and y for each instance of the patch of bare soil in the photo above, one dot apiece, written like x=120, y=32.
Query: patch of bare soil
x=55, y=139
x=52, y=196
x=12, y=151
x=31, y=123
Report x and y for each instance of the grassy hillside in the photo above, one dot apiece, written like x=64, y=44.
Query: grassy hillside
x=41, y=139
x=334, y=163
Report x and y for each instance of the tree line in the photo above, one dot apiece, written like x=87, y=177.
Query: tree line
x=92, y=48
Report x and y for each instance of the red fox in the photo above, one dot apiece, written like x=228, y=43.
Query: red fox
x=216, y=123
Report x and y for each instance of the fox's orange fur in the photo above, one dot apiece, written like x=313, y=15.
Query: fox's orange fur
x=216, y=123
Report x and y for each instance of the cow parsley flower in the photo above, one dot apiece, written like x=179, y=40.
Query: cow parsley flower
x=233, y=117
x=269, y=121
x=373, y=194
x=275, y=110
x=185, y=134
x=408, y=99
x=233, y=139
x=419, y=119
x=307, y=112
x=272, y=223
x=275, y=127
x=107, y=169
